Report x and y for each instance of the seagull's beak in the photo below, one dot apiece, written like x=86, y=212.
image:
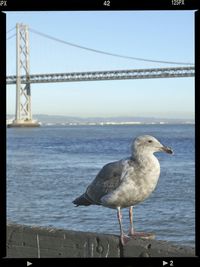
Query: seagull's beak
x=167, y=149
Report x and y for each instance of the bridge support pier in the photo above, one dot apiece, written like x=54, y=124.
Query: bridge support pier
x=23, y=115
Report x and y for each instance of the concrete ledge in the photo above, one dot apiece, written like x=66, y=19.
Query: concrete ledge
x=41, y=242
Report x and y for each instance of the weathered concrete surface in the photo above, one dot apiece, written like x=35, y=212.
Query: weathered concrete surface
x=37, y=242
x=40, y=242
x=154, y=248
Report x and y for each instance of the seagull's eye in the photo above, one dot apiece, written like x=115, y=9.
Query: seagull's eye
x=150, y=141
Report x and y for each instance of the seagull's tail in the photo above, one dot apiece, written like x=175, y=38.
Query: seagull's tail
x=83, y=200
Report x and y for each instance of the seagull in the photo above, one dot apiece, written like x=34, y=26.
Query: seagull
x=127, y=182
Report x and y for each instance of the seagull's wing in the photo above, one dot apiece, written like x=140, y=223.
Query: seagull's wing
x=107, y=180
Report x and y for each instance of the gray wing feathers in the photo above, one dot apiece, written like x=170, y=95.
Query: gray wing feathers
x=83, y=200
x=107, y=180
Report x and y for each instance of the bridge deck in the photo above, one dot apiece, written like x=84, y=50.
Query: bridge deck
x=106, y=75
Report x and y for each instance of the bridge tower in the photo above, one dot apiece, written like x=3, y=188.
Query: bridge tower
x=23, y=115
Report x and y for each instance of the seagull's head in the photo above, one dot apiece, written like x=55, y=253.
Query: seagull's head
x=148, y=144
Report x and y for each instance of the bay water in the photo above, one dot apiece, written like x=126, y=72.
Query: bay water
x=48, y=167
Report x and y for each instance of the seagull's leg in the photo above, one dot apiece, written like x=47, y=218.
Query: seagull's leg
x=131, y=229
x=124, y=238
x=132, y=232
x=119, y=216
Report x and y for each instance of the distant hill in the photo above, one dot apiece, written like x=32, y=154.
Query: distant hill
x=58, y=119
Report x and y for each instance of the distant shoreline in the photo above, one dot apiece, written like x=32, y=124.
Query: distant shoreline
x=110, y=124
x=57, y=120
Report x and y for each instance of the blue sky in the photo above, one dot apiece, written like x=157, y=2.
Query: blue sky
x=158, y=35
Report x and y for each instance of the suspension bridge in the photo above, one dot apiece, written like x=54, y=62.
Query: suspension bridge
x=23, y=79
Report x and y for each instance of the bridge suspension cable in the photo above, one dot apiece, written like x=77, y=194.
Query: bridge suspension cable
x=13, y=28
x=11, y=36
x=106, y=53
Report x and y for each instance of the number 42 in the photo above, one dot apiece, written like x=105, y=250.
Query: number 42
x=106, y=3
